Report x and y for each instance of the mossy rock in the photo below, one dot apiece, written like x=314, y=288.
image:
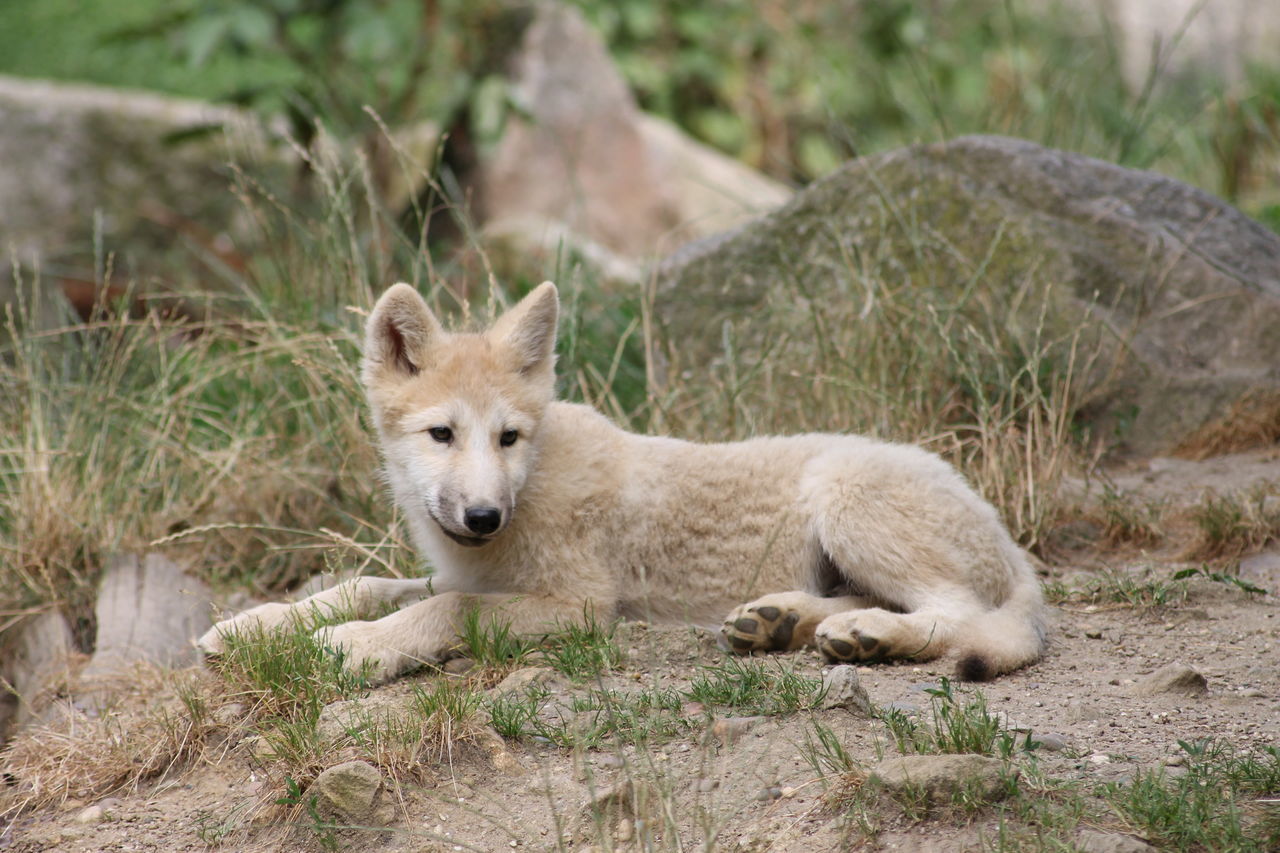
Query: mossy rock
x=1173, y=295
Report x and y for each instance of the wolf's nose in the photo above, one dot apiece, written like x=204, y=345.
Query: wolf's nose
x=483, y=520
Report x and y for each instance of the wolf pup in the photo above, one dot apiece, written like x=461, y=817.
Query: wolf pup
x=542, y=513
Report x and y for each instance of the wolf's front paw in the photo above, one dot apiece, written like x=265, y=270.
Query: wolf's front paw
x=363, y=654
x=264, y=617
x=767, y=624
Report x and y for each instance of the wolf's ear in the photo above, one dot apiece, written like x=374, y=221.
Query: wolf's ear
x=528, y=330
x=400, y=332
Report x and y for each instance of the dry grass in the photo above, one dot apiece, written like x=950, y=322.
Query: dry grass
x=156, y=722
x=1253, y=421
x=1227, y=527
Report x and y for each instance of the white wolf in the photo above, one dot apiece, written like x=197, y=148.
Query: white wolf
x=542, y=512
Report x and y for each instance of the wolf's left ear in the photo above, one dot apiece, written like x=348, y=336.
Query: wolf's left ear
x=528, y=330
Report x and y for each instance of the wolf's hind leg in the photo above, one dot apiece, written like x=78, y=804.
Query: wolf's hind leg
x=358, y=598
x=874, y=634
x=781, y=621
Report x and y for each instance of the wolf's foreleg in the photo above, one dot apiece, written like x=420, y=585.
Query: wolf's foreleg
x=429, y=631
x=358, y=598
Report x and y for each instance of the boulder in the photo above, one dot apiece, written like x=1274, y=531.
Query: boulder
x=74, y=151
x=940, y=777
x=39, y=659
x=150, y=610
x=1176, y=292
x=580, y=166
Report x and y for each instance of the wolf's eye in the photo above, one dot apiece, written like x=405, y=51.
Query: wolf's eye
x=444, y=435
x=508, y=437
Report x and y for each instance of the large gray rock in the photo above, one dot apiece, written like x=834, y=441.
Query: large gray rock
x=1178, y=292
x=149, y=610
x=70, y=152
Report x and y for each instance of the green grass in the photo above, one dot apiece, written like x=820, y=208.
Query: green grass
x=956, y=725
x=1214, y=806
x=750, y=686
x=70, y=40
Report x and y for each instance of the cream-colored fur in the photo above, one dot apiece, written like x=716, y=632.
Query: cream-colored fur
x=866, y=549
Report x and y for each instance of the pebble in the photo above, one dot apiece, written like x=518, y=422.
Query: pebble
x=771, y=793
x=706, y=786
x=459, y=666
x=1174, y=678
x=90, y=814
x=729, y=729
x=1051, y=741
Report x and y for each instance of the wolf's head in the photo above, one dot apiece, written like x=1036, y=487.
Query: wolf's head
x=458, y=414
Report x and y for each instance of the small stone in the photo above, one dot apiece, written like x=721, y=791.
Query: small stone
x=230, y=714
x=610, y=762
x=941, y=776
x=1092, y=841
x=350, y=789
x=90, y=814
x=1174, y=760
x=504, y=762
x=1099, y=758
x=1093, y=633
x=1051, y=741
x=1175, y=678
x=729, y=730
x=458, y=666
x=625, y=831
x=706, y=786
x=788, y=792
x=841, y=689
x=523, y=678
x=771, y=793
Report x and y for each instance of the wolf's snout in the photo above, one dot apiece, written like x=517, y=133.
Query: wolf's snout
x=483, y=520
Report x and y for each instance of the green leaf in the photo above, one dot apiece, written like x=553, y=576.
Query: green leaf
x=202, y=37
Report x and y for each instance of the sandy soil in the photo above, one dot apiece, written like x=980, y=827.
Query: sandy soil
x=745, y=785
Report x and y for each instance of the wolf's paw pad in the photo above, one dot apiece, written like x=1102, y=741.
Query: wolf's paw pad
x=852, y=646
x=753, y=628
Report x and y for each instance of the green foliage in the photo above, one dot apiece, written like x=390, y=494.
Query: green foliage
x=754, y=686
x=1121, y=587
x=322, y=829
x=1209, y=807
x=823, y=751
x=1219, y=577
x=956, y=727
x=489, y=640
x=798, y=89
x=581, y=651
x=287, y=673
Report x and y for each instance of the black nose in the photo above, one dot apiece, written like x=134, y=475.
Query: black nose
x=483, y=520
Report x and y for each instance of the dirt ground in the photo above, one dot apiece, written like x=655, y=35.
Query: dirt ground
x=745, y=784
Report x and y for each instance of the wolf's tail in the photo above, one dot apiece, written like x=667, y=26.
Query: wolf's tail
x=1004, y=639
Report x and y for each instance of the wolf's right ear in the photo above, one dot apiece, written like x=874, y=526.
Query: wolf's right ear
x=400, y=332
